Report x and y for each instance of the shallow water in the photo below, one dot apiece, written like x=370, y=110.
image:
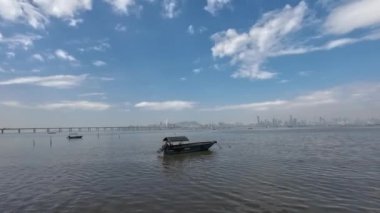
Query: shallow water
x=288, y=170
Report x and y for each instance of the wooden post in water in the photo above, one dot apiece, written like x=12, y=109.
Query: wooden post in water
x=19, y=131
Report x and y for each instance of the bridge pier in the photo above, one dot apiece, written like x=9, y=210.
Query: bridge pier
x=19, y=131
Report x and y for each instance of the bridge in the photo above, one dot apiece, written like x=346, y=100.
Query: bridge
x=79, y=129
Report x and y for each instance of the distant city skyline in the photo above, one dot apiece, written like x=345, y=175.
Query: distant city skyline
x=140, y=62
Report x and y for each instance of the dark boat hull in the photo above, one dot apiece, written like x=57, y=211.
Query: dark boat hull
x=187, y=148
x=74, y=137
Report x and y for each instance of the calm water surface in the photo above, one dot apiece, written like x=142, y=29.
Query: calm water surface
x=294, y=170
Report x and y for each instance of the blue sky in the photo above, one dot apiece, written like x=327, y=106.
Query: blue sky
x=121, y=62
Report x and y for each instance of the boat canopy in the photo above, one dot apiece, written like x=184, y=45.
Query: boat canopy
x=176, y=139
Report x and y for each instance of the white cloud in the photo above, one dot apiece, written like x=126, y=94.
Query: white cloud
x=6, y=70
x=19, y=40
x=54, y=81
x=274, y=35
x=36, y=13
x=14, y=104
x=106, y=79
x=170, y=8
x=250, y=50
x=74, y=22
x=36, y=70
x=38, y=57
x=329, y=45
x=75, y=105
x=10, y=54
x=284, y=81
x=193, y=30
x=202, y=29
x=183, y=79
x=346, y=41
x=304, y=73
x=165, y=105
x=342, y=97
x=103, y=78
x=252, y=106
x=99, y=45
x=61, y=105
x=213, y=6
x=197, y=70
x=121, y=6
x=120, y=28
x=100, y=95
x=63, y=8
x=190, y=29
x=99, y=63
x=92, y=94
x=22, y=11
x=64, y=55
x=353, y=15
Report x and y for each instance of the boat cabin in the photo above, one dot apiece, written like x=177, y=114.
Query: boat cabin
x=174, y=140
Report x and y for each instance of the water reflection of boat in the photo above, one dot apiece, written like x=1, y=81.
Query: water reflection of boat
x=74, y=136
x=180, y=144
x=178, y=165
x=190, y=156
x=177, y=161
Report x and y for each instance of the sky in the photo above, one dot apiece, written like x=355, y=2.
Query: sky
x=136, y=62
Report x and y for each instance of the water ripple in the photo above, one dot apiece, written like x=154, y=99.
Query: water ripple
x=249, y=171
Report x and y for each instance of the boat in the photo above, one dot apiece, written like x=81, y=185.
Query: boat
x=74, y=136
x=181, y=144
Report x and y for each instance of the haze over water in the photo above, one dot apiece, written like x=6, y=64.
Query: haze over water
x=283, y=170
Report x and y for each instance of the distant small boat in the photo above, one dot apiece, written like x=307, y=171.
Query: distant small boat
x=179, y=145
x=74, y=136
